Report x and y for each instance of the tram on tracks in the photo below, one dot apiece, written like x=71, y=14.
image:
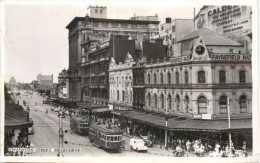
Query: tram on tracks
x=79, y=125
x=105, y=138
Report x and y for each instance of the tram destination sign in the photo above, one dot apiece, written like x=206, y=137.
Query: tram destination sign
x=231, y=57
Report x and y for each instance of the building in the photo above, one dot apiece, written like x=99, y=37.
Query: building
x=12, y=83
x=173, y=30
x=191, y=91
x=234, y=22
x=45, y=79
x=63, y=84
x=120, y=84
x=86, y=32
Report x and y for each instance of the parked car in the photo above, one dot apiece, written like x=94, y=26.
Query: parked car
x=56, y=109
x=146, y=140
x=138, y=145
x=30, y=130
x=52, y=108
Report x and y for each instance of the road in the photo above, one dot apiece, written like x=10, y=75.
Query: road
x=46, y=135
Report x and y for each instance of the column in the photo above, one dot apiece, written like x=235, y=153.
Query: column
x=166, y=139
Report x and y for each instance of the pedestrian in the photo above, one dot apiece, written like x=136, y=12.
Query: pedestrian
x=244, y=146
x=188, y=146
x=46, y=111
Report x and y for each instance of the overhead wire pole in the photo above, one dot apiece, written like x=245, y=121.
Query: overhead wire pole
x=229, y=122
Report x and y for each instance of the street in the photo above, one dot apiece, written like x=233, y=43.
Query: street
x=46, y=135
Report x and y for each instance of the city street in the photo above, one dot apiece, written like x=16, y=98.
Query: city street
x=46, y=128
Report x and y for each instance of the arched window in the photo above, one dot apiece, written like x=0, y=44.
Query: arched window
x=169, y=102
x=202, y=105
x=223, y=105
x=187, y=102
x=201, y=77
x=155, y=101
x=141, y=78
x=149, y=100
x=242, y=76
x=178, y=103
x=162, y=101
x=161, y=78
x=149, y=79
x=169, y=77
x=243, y=105
x=222, y=76
x=137, y=78
x=154, y=78
x=177, y=77
x=186, y=75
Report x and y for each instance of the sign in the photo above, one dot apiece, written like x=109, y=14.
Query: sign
x=231, y=57
x=206, y=116
x=197, y=116
x=110, y=107
x=201, y=116
x=226, y=20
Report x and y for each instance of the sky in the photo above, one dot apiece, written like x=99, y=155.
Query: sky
x=36, y=40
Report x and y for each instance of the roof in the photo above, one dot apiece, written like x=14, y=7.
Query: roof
x=125, y=21
x=103, y=129
x=181, y=123
x=210, y=37
x=15, y=117
x=75, y=20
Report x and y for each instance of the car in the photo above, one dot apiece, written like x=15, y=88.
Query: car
x=147, y=142
x=52, y=108
x=56, y=109
x=138, y=145
x=30, y=130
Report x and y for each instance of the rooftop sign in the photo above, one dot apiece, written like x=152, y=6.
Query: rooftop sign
x=231, y=57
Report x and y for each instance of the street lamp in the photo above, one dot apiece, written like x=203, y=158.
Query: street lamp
x=27, y=113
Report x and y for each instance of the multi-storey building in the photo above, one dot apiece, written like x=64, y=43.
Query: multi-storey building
x=209, y=70
x=121, y=84
x=45, y=79
x=173, y=30
x=86, y=32
x=63, y=84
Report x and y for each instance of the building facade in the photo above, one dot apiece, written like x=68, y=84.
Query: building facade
x=173, y=30
x=85, y=33
x=45, y=79
x=234, y=22
x=208, y=69
x=121, y=84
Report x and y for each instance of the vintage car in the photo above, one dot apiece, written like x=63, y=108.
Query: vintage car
x=138, y=145
x=147, y=142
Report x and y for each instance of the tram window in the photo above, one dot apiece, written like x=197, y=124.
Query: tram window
x=112, y=138
x=115, y=138
x=107, y=138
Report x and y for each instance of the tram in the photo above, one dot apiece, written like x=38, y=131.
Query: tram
x=79, y=125
x=105, y=138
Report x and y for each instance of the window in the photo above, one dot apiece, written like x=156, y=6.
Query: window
x=149, y=99
x=101, y=11
x=117, y=95
x=173, y=29
x=149, y=79
x=161, y=28
x=96, y=10
x=154, y=78
x=223, y=105
x=243, y=105
x=161, y=78
x=162, y=101
x=242, y=76
x=231, y=50
x=123, y=95
x=187, y=102
x=169, y=78
x=202, y=105
x=178, y=103
x=186, y=75
x=222, y=76
x=177, y=77
x=201, y=77
x=169, y=102
x=155, y=101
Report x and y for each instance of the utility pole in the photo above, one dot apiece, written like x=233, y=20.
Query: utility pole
x=229, y=122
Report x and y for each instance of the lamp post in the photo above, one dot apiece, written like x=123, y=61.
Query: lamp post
x=166, y=125
x=28, y=119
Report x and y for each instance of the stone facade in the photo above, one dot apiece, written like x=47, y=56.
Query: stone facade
x=121, y=84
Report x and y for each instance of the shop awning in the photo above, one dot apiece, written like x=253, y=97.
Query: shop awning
x=15, y=117
x=181, y=123
x=99, y=110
